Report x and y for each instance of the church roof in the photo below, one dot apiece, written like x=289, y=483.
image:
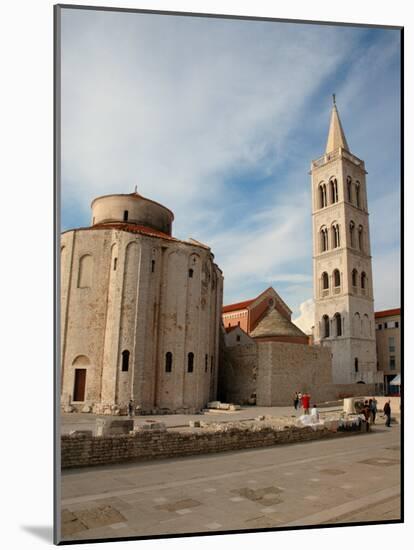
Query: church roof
x=275, y=324
x=237, y=306
x=336, y=135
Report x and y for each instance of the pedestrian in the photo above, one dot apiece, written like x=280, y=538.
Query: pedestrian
x=131, y=408
x=305, y=403
x=367, y=414
x=387, y=413
x=299, y=400
x=295, y=400
x=315, y=413
x=373, y=407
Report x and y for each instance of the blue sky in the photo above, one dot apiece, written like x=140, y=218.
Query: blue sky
x=219, y=120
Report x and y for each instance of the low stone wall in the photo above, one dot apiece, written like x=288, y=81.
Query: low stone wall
x=87, y=450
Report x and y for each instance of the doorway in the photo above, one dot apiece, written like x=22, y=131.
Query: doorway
x=80, y=384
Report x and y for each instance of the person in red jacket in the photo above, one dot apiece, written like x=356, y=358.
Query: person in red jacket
x=306, y=403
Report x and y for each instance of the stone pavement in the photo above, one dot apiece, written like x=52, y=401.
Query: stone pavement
x=355, y=478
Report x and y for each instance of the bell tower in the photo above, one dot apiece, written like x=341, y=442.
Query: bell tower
x=342, y=270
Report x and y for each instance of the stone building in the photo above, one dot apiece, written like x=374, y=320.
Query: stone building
x=387, y=333
x=342, y=271
x=267, y=358
x=266, y=317
x=140, y=311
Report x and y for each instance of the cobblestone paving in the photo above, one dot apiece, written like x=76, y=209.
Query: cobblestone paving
x=334, y=481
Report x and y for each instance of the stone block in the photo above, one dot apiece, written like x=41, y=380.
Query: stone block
x=213, y=405
x=224, y=406
x=194, y=424
x=80, y=433
x=86, y=409
x=235, y=407
x=261, y=417
x=113, y=427
x=68, y=409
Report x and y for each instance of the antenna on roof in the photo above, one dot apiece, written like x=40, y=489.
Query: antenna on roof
x=136, y=189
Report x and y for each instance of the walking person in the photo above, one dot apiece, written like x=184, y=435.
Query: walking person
x=295, y=400
x=299, y=400
x=373, y=407
x=305, y=403
x=387, y=413
x=367, y=414
x=131, y=408
x=315, y=413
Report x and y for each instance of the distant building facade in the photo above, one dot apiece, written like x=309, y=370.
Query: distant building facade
x=140, y=311
x=387, y=332
x=342, y=270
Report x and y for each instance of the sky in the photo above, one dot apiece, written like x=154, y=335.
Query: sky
x=219, y=120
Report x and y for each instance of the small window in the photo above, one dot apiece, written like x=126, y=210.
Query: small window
x=325, y=281
x=238, y=323
x=356, y=367
x=363, y=279
x=190, y=273
x=238, y=338
x=206, y=363
x=385, y=325
x=392, y=362
x=337, y=278
x=115, y=262
x=338, y=324
x=211, y=363
x=354, y=277
x=168, y=361
x=125, y=215
x=125, y=360
x=190, y=362
x=152, y=266
x=396, y=324
x=325, y=326
x=391, y=344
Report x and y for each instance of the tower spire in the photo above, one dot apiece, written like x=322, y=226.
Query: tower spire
x=336, y=135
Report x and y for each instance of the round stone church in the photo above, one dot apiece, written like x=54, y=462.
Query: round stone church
x=140, y=312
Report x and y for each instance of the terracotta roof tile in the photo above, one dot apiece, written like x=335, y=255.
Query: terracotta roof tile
x=239, y=305
x=387, y=313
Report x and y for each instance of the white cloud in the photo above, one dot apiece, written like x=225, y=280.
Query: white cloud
x=306, y=319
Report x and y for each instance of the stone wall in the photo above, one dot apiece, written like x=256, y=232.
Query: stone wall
x=87, y=450
x=285, y=368
x=146, y=297
x=238, y=374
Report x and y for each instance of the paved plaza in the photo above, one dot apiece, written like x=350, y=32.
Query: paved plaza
x=350, y=479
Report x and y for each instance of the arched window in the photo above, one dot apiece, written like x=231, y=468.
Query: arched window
x=168, y=361
x=125, y=215
x=356, y=364
x=354, y=277
x=337, y=278
x=190, y=273
x=125, y=360
x=351, y=233
x=85, y=272
x=322, y=195
x=338, y=324
x=333, y=184
x=335, y=236
x=324, y=239
x=363, y=280
x=357, y=324
x=325, y=326
x=349, y=188
x=357, y=194
x=206, y=362
x=325, y=281
x=360, y=238
x=190, y=362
